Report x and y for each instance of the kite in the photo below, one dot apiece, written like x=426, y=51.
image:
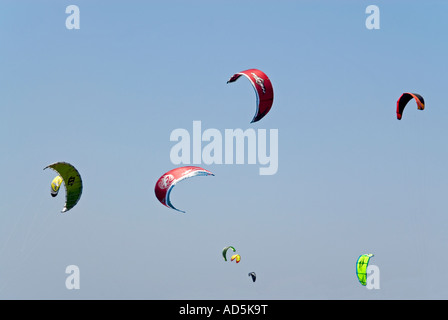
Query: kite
x=236, y=257
x=263, y=90
x=168, y=180
x=224, y=251
x=253, y=275
x=405, y=98
x=72, y=182
x=361, y=267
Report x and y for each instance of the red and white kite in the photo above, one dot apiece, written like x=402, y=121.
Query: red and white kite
x=166, y=182
x=263, y=89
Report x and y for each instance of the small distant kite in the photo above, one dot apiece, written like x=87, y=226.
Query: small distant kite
x=71, y=178
x=361, y=267
x=405, y=98
x=168, y=180
x=224, y=251
x=236, y=257
x=263, y=90
x=253, y=275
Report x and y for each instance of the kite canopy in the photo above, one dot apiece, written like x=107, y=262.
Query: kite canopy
x=167, y=181
x=224, y=251
x=253, y=275
x=405, y=98
x=263, y=90
x=236, y=257
x=361, y=267
x=72, y=182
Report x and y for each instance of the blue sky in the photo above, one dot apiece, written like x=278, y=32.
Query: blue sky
x=352, y=179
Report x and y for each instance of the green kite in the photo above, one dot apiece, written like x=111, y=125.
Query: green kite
x=361, y=267
x=72, y=182
x=224, y=251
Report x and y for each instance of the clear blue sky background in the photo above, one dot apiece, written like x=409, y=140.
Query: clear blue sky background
x=352, y=179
